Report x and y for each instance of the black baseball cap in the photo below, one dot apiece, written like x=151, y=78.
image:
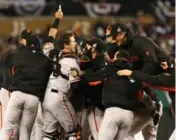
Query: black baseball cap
x=25, y=33
x=97, y=43
x=116, y=28
x=33, y=41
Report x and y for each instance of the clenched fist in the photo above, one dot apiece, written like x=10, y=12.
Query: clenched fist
x=59, y=14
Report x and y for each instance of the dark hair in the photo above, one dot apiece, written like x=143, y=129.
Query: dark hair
x=26, y=33
x=99, y=44
x=100, y=48
x=122, y=54
x=64, y=38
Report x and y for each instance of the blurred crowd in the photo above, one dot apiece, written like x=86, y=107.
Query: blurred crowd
x=161, y=33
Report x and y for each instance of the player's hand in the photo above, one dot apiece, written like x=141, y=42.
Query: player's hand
x=59, y=14
x=74, y=72
x=164, y=65
x=124, y=72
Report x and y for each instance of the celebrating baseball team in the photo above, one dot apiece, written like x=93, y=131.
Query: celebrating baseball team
x=80, y=88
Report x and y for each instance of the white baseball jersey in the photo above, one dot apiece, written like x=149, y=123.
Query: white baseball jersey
x=59, y=83
x=67, y=63
x=47, y=47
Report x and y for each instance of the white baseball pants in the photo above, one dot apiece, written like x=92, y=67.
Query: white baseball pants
x=38, y=128
x=57, y=108
x=95, y=116
x=116, y=123
x=21, y=109
x=142, y=121
x=4, y=99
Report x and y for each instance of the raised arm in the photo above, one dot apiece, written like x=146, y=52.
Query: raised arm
x=49, y=40
x=54, y=28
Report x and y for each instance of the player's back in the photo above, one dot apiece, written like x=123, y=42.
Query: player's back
x=119, y=91
x=31, y=70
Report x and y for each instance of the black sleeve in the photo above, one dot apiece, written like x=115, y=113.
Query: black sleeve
x=164, y=79
x=78, y=87
x=94, y=76
x=148, y=67
x=146, y=52
x=48, y=39
x=85, y=65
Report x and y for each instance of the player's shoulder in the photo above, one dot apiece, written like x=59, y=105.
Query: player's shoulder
x=47, y=48
x=68, y=61
x=142, y=40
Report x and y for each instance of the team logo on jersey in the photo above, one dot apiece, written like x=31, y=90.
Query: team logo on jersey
x=119, y=30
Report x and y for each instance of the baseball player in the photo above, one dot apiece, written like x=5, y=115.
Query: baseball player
x=119, y=98
x=166, y=79
x=9, y=51
x=93, y=90
x=48, y=45
x=30, y=76
x=145, y=55
x=57, y=107
x=4, y=94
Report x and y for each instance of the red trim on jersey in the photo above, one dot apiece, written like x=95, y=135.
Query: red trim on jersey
x=95, y=83
x=170, y=89
x=13, y=70
x=140, y=95
x=9, y=94
x=96, y=125
x=11, y=134
x=134, y=58
x=81, y=118
x=69, y=111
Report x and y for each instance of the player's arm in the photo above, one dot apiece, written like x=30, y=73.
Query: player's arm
x=54, y=28
x=76, y=83
x=48, y=41
x=146, y=50
x=164, y=79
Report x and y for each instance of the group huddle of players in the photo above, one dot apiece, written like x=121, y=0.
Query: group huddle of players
x=67, y=80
